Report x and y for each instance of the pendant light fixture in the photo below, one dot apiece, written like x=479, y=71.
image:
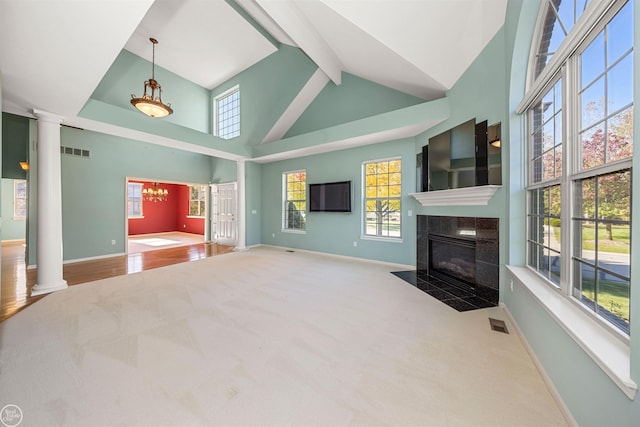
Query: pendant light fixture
x=151, y=102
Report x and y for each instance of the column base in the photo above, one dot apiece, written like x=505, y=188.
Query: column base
x=39, y=289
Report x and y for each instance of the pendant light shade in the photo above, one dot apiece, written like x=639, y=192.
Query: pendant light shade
x=150, y=103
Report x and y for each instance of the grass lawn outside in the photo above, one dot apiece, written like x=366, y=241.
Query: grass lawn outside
x=619, y=244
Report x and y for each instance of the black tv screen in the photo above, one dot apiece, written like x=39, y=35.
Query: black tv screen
x=330, y=197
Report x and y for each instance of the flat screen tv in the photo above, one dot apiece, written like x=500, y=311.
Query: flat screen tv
x=330, y=197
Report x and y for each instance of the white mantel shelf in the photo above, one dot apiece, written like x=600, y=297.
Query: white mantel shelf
x=468, y=196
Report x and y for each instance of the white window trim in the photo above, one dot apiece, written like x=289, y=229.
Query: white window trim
x=283, y=208
x=590, y=18
x=607, y=346
x=381, y=238
x=216, y=99
x=363, y=220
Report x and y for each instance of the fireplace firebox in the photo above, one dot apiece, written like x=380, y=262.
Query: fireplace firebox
x=452, y=259
x=458, y=260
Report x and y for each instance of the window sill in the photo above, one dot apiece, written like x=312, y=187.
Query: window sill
x=195, y=216
x=136, y=217
x=382, y=239
x=607, y=350
x=294, y=231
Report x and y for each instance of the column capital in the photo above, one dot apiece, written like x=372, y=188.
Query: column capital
x=46, y=116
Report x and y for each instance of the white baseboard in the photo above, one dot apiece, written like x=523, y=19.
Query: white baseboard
x=14, y=241
x=375, y=261
x=564, y=409
x=71, y=261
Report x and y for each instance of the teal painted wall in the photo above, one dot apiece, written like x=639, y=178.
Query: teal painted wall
x=222, y=170
x=355, y=98
x=15, y=134
x=266, y=90
x=126, y=76
x=591, y=396
x=335, y=232
x=12, y=229
x=479, y=94
x=94, y=189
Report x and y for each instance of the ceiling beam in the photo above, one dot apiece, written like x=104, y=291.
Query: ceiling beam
x=305, y=97
x=241, y=7
x=293, y=22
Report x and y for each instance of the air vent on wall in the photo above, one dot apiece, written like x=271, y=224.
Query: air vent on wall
x=78, y=152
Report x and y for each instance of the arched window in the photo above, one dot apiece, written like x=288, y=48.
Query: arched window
x=558, y=18
x=579, y=110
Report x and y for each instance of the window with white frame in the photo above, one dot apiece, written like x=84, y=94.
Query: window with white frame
x=226, y=114
x=197, y=200
x=382, y=181
x=134, y=199
x=580, y=155
x=19, y=199
x=294, y=209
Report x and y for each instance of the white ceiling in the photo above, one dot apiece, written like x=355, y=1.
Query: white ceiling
x=54, y=53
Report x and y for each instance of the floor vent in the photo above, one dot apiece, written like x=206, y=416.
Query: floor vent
x=289, y=250
x=498, y=325
x=78, y=152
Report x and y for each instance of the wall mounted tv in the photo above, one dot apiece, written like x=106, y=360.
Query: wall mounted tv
x=464, y=156
x=330, y=197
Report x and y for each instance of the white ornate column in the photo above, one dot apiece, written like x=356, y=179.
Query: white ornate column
x=49, y=213
x=241, y=210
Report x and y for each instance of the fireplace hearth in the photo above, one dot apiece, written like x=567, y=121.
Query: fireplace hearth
x=458, y=261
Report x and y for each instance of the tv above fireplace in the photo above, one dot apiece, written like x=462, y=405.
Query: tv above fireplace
x=464, y=156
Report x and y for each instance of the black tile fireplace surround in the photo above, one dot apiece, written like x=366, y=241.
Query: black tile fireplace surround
x=457, y=261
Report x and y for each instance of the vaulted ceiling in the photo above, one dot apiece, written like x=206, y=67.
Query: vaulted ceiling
x=54, y=53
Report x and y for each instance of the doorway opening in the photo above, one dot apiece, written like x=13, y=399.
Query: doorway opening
x=162, y=215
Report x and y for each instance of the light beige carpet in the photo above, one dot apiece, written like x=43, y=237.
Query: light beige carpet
x=265, y=337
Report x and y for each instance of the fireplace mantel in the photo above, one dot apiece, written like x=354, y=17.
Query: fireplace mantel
x=468, y=196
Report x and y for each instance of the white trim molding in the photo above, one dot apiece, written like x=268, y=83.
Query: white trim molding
x=468, y=196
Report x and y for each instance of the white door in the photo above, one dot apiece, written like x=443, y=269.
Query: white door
x=224, y=213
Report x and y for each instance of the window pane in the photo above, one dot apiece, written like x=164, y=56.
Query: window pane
x=593, y=103
x=613, y=301
x=554, y=267
x=603, y=245
x=619, y=83
x=620, y=33
x=620, y=136
x=592, y=61
x=228, y=115
x=587, y=282
x=592, y=149
x=585, y=243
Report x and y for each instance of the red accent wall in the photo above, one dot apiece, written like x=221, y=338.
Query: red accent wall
x=187, y=225
x=170, y=215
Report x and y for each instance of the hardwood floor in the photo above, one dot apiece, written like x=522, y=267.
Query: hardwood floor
x=17, y=280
